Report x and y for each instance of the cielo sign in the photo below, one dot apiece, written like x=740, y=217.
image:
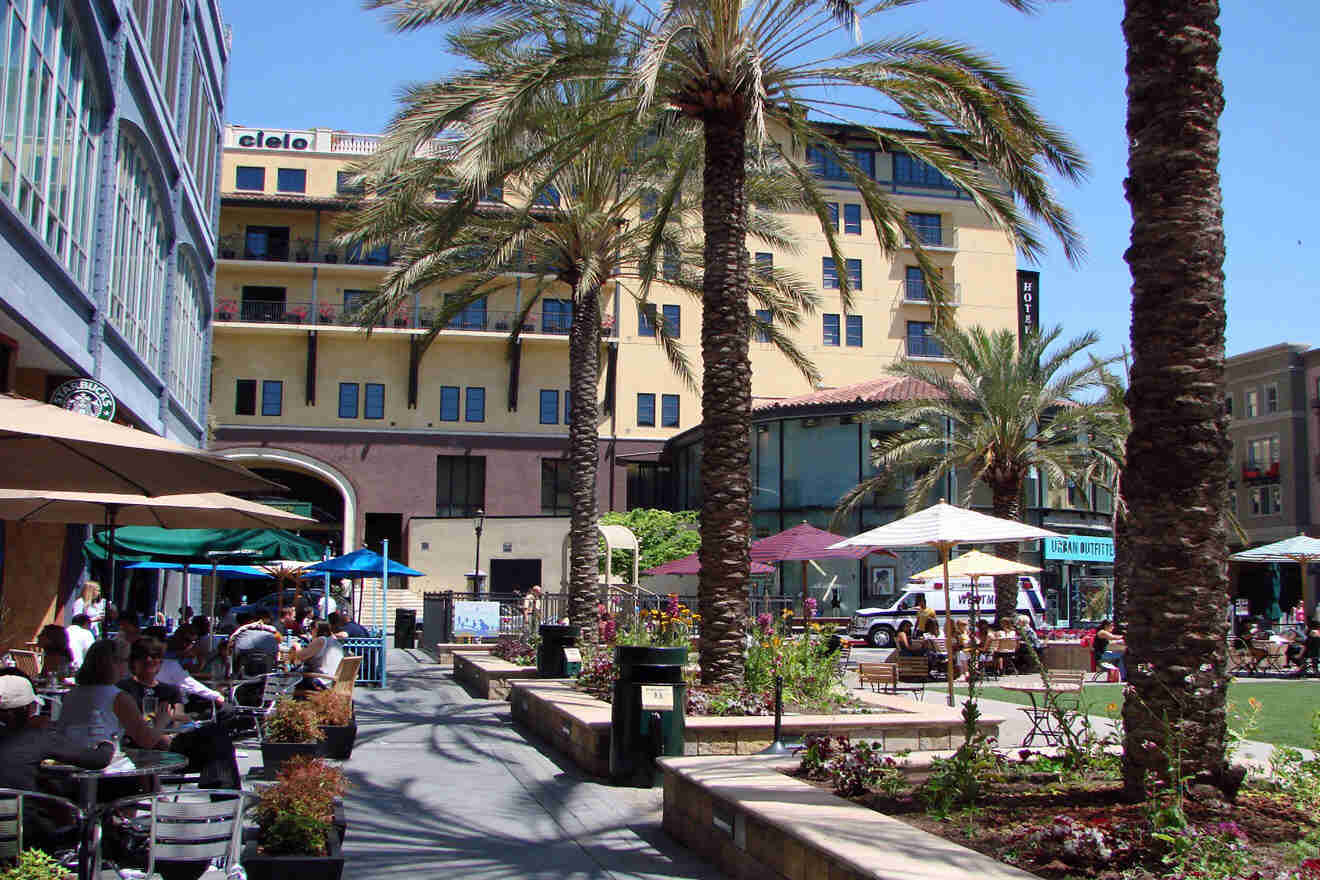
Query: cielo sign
x=1080, y=549
x=273, y=140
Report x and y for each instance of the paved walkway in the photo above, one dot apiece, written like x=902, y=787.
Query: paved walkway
x=443, y=785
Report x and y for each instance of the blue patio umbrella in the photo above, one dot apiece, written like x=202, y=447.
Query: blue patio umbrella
x=361, y=563
x=237, y=572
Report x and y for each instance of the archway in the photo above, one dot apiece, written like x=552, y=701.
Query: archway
x=616, y=537
x=267, y=459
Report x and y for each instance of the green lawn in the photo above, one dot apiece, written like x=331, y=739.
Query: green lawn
x=1285, y=715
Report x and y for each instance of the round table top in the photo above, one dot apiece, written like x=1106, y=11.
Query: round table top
x=141, y=762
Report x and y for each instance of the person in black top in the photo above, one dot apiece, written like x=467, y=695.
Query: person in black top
x=209, y=749
x=354, y=629
x=24, y=745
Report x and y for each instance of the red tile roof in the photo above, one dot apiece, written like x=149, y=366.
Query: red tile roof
x=885, y=389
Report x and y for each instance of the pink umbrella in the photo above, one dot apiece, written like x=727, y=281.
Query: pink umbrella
x=692, y=565
x=805, y=542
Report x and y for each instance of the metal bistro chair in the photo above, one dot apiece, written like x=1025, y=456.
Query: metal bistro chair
x=190, y=826
x=29, y=662
x=273, y=686
x=13, y=803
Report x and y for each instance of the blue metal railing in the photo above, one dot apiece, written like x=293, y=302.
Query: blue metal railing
x=372, y=651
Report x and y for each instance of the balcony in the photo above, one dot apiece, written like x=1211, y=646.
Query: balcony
x=924, y=347
x=1259, y=473
x=332, y=315
x=936, y=238
x=916, y=292
x=273, y=252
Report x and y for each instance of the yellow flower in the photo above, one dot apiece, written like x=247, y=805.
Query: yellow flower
x=1253, y=702
x=1112, y=707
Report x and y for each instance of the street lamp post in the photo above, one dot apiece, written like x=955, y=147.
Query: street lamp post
x=476, y=565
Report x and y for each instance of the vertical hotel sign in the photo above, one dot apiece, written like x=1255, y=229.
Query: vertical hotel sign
x=1028, y=303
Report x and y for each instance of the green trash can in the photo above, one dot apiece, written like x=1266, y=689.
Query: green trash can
x=550, y=660
x=650, y=697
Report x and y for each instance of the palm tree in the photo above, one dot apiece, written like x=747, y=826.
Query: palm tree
x=745, y=72
x=578, y=232
x=1004, y=412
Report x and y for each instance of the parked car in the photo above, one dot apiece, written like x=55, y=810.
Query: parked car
x=878, y=624
x=272, y=602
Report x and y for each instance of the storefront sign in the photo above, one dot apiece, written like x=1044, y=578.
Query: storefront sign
x=274, y=140
x=1076, y=548
x=86, y=396
x=1028, y=303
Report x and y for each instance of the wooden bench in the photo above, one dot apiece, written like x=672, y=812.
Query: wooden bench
x=884, y=678
x=913, y=668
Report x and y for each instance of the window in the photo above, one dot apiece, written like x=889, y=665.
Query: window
x=854, y=273
x=914, y=285
x=921, y=341
x=852, y=219
x=669, y=410
x=373, y=403
x=548, y=197
x=377, y=256
x=272, y=397
x=48, y=151
x=928, y=228
x=291, y=180
x=267, y=243
x=1252, y=404
x=673, y=324
x=141, y=251
x=830, y=324
x=556, y=498
x=765, y=261
x=1228, y=403
x=556, y=315
x=549, y=407
x=650, y=204
x=824, y=165
x=1263, y=451
x=854, y=331
x=646, y=410
x=829, y=274
x=568, y=406
x=832, y=208
x=1265, y=500
x=460, y=485
x=187, y=335
x=345, y=186
x=915, y=172
x=448, y=403
x=1271, y=398
x=471, y=317
x=865, y=160
x=475, y=411
x=203, y=135
x=671, y=266
x=646, y=319
x=348, y=400
x=763, y=315
x=245, y=397
x=250, y=177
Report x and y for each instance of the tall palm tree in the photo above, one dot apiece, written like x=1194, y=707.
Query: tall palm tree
x=1003, y=412
x=750, y=73
x=591, y=172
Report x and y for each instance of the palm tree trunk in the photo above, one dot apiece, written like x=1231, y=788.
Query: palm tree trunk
x=1175, y=537
x=584, y=457
x=726, y=403
x=1006, y=503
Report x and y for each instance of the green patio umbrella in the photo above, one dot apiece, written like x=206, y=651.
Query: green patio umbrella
x=140, y=543
x=1274, y=612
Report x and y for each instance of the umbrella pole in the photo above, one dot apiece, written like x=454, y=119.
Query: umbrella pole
x=805, y=615
x=1308, y=595
x=948, y=621
x=110, y=511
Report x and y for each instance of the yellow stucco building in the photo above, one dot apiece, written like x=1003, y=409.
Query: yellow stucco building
x=384, y=443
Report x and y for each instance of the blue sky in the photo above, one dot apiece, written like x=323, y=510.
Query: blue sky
x=300, y=64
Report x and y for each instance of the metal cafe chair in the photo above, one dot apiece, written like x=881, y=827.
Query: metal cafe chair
x=13, y=804
x=188, y=826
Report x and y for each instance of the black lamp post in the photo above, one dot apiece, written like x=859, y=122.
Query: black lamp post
x=476, y=566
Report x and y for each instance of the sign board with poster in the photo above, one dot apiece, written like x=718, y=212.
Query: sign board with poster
x=476, y=618
x=881, y=582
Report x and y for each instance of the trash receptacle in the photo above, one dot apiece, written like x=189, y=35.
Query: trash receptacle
x=550, y=661
x=647, y=720
x=405, y=627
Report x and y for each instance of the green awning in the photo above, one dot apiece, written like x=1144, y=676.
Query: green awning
x=139, y=543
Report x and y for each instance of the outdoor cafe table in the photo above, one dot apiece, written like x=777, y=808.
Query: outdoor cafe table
x=1040, y=713
x=141, y=763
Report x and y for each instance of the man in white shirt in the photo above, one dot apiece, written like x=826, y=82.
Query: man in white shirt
x=80, y=637
x=325, y=606
x=172, y=671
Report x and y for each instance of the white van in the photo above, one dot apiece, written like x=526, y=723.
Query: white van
x=878, y=624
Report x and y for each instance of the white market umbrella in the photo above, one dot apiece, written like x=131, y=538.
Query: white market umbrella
x=943, y=526
x=1301, y=549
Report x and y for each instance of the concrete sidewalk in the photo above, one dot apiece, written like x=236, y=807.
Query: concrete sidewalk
x=443, y=785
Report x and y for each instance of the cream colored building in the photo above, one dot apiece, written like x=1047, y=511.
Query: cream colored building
x=383, y=444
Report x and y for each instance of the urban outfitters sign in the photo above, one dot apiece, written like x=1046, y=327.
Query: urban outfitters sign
x=1075, y=548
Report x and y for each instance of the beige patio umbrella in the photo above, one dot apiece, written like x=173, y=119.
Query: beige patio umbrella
x=45, y=447
x=975, y=564
x=942, y=527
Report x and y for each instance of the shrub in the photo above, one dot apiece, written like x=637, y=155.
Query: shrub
x=597, y=673
x=819, y=749
x=333, y=709
x=810, y=667
x=517, y=649
x=33, y=864
x=295, y=814
x=857, y=770
x=293, y=721
x=727, y=700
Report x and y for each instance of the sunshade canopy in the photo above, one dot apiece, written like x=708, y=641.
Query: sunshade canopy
x=944, y=524
x=210, y=510
x=1301, y=548
x=236, y=572
x=804, y=542
x=46, y=447
x=184, y=545
x=361, y=563
x=974, y=564
x=691, y=564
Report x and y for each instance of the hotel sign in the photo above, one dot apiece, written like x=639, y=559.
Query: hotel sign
x=1076, y=548
x=1028, y=303
x=273, y=140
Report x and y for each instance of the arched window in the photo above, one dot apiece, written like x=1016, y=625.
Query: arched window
x=49, y=128
x=141, y=248
x=186, y=335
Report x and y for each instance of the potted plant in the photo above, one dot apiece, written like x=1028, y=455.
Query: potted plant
x=295, y=821
x=225, y=309
x=302, y=249
x=229, y=245
x=293, y=728
x=330, y=255
x=33, y=864
x=326, y=313
x=401, y=317
x=295, y=314
x=338, y=723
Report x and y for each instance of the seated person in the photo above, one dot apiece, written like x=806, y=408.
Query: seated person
x=1029, y=644
x=198, y=658
x=321, y=656
x=907, y=646
x=208, y=748
x=57, y=656
x=254, y=646
x=24, y=745
x=354, y=629
x=1105, y=658
x=198, y=696
x=336, y=621
x=961, y=643
x=80, y=638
